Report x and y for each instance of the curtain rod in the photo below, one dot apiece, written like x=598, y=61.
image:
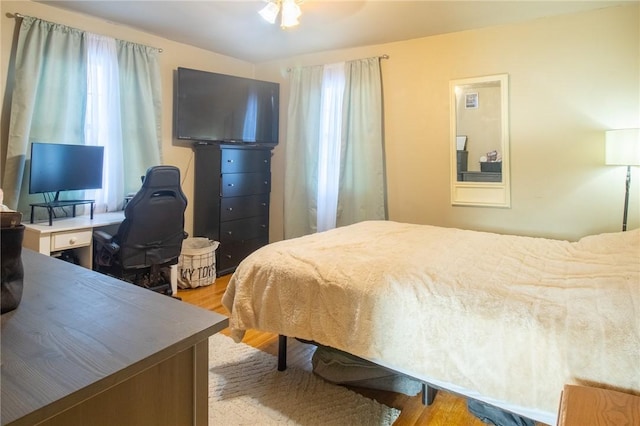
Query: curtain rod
x=384, y=56
x=21, y=16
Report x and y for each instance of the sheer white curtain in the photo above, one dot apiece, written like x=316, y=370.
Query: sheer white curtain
x=335, y=158
x=102, y=125
x=333, y=80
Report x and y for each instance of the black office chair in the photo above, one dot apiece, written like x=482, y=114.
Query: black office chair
x=149, y=240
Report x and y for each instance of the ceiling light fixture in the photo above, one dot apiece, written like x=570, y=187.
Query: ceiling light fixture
x=290, y=12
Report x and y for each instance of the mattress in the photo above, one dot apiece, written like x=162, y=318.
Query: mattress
x=505, y=319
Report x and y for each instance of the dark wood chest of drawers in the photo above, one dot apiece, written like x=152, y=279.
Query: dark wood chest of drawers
x=231, y=200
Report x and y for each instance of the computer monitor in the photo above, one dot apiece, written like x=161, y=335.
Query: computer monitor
x=65, y=167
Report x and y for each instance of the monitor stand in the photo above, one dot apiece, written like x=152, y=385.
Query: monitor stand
x=55, y=203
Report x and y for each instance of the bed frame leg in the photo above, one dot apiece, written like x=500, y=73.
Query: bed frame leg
x=428, y=394
x=282, y=352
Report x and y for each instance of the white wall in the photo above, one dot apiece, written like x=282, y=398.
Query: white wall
x=571, y=78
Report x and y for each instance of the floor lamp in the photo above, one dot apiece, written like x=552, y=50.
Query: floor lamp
x=622, y=148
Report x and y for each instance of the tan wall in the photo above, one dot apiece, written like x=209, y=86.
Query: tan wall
x=174, y=55
x=571, y=78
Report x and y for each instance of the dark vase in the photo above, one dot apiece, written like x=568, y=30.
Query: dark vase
x=12, y=272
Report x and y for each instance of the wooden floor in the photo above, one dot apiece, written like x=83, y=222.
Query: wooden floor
x=447, y=408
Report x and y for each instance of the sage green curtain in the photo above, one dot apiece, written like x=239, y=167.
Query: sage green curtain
x=141, y=108
x=303, y=138
x=362, y=193
x=48, y=103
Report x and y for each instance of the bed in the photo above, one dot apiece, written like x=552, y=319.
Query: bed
x=503, y=319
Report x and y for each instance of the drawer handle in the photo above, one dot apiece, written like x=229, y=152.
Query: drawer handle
x=263, y=204
x=230, y=184
x=263, y=226
x=229, y=161
x=229, y=232
x=266, y=182
x=265, y=161
x=73, y=240
x=230, y=209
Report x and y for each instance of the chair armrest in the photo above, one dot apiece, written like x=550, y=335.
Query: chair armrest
x=105, y=240
x=102, y=237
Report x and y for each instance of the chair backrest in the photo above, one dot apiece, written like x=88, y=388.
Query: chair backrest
x=153, y=228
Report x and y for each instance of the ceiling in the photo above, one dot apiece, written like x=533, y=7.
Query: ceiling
x=235, y=29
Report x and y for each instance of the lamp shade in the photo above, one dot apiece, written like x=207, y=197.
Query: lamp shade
x=270, y=12
x=290, y=13
x=622, y=147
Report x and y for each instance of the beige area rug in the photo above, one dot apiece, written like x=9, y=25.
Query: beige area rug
x=245, y=388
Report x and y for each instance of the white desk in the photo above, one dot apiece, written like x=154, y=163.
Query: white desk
x=70, y=233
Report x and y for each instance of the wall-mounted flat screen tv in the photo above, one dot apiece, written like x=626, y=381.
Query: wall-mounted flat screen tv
x=213, y=107
x=64, y=167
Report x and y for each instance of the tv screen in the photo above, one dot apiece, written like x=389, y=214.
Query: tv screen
x=64, y=167
x=225, y=108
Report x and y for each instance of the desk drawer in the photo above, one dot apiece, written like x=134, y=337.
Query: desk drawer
x=71, y=239
x=481, y=177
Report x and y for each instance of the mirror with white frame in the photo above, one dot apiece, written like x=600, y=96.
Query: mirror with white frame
x=480, y=141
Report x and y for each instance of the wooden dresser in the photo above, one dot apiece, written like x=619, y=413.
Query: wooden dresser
x=589, y=406
x=231, y=200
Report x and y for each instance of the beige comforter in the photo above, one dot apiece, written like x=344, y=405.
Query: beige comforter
x=513, y=318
